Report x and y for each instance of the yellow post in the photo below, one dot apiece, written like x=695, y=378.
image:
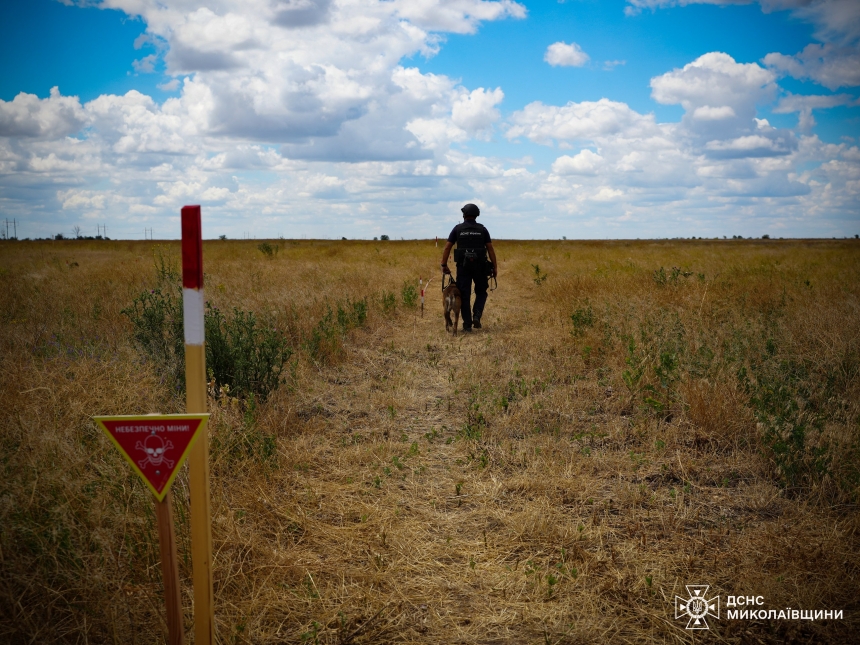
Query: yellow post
x=201, y=516
x=195, y=402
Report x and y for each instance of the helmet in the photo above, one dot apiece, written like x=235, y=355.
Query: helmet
x=470, y=211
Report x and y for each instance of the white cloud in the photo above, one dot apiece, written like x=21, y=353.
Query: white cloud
x=299, y=72
x=294, y=14
x=323, y=79
x=715, y=79
x=578, y=121
x=436, y=134
x=609, y=65
x=606, y=193
x=834, y=20
x=476, y=111
x=29, y=116
x=298, y=117
x=804, y=104
x=424, y=88
x=828, y=65
x=134, y=123
x=708, y=113
x=145, y=65
x=77, y=199
x=584, y=163
x=720, y=96
x=750, y=146
x=561, y=54
x=721, y=160
x=798, y=102
x=458, y=16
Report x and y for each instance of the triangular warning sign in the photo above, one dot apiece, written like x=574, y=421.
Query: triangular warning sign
x=154, y=445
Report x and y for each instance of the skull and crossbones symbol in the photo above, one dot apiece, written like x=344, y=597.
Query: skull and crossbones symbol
x=154, y=447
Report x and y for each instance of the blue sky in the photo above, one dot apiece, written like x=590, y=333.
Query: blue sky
x=329, y=118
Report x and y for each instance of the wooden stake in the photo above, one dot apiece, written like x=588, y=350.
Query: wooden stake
x=423, y=288
x=195, y=402
x=201, y=516
x=170, y=570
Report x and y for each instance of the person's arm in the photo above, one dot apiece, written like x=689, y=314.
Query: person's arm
x=445, y=253
x=492, y=253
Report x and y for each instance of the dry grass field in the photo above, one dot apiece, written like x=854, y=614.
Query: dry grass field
x=633, y=418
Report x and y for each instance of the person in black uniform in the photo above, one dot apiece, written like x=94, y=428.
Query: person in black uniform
x=473, y=244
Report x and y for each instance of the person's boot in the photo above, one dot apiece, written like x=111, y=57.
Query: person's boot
x=476, y=323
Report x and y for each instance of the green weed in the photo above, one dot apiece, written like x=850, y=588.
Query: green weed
x=409, y=294
x=539, y=278
x=389, y=302
x=268, y=250
x=582, y=318
x=244, y=353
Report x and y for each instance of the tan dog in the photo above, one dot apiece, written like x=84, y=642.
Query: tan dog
x=452, y=302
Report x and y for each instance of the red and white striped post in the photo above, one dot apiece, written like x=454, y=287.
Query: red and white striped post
x=423, y=288
x=195, y=403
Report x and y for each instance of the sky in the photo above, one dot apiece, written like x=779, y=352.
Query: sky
x=583, y=119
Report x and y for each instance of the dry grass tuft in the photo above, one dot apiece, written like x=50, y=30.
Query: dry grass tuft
x=636, y=416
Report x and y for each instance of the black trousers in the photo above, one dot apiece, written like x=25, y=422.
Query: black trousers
x=467, y=273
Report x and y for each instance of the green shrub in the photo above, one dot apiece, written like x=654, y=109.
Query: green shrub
x=789, y=413
x=241, y=351
x=268, y=250
x=389, y=302
x=156, y=318
x=654, y=363
x=662, y=278
x=352, y=314
x=582, y=318
x=409, y=294
x=475, y=424
x=244, y=353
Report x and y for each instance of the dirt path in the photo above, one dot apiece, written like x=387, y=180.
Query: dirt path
x=446, y=543
x=429, y=552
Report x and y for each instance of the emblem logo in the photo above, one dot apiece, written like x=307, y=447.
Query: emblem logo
x=697, y=607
